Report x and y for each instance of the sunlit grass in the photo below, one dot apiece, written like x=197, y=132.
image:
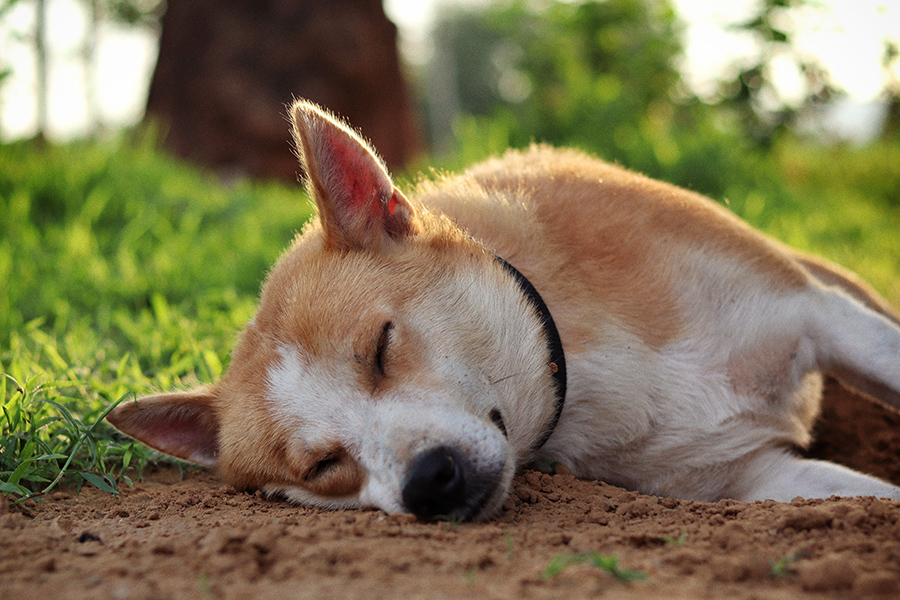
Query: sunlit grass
x=124, y=272
x=840, y=203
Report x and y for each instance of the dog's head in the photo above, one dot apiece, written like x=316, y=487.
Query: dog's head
x=392, y=363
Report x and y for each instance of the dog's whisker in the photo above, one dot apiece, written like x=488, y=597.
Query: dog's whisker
x=465, y=291
x=493, y=381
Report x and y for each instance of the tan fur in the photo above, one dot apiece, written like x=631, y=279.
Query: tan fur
x=551, y=222
x=394, y=363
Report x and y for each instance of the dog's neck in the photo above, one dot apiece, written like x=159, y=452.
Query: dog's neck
x=557, y=360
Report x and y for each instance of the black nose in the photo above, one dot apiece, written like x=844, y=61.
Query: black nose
x=436, y=484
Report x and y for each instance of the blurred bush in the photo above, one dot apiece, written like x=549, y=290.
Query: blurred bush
x=600, y=76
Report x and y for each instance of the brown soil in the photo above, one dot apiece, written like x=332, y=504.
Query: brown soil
x=196, y=538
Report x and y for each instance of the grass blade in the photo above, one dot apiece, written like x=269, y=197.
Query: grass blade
x=605, y=562
x=99, y=482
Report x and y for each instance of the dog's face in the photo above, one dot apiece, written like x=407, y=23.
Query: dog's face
x=392, y=362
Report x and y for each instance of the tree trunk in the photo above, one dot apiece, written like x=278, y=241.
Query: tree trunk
x=227, y=69
x=42, y=69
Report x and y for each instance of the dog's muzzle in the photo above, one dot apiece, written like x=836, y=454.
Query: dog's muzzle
x=442, y=483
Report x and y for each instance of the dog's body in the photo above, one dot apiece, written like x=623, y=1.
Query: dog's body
x=394, y=362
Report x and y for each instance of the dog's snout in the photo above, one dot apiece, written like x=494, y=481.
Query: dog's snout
x=436, y=484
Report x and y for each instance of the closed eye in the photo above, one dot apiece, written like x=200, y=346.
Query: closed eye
x=322, y=468
x=381, y=348
x=331, y=473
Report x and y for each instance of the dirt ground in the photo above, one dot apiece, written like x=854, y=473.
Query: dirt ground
x=197, y=538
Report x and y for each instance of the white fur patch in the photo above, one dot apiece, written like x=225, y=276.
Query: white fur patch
x=384, y=434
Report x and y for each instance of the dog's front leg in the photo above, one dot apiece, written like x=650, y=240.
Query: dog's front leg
x=777, y=474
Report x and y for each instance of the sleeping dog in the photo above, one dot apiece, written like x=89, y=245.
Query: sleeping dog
x=412, y=352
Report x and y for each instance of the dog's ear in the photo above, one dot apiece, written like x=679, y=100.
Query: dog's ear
x=357, y=201
x=183, y=424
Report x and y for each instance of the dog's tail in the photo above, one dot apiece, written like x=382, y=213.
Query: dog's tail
x=857, y=332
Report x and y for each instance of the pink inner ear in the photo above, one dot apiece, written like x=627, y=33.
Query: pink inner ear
x=354, y=175
x=392, y=205
x=356, y=199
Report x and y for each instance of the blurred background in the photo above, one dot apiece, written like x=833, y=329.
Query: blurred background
x=787, y=111
x=422, y=76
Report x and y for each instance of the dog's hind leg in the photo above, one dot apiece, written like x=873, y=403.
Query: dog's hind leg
x=855, y=333
x=777, y=474
x=855, y=336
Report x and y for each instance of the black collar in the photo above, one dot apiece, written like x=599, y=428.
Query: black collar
x=557, y=362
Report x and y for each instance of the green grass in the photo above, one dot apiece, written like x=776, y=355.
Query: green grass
x=605, y=562
x=784, y=567
x=840, y=203
x=677, y=542
x=44, y=460
x=123, y=272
